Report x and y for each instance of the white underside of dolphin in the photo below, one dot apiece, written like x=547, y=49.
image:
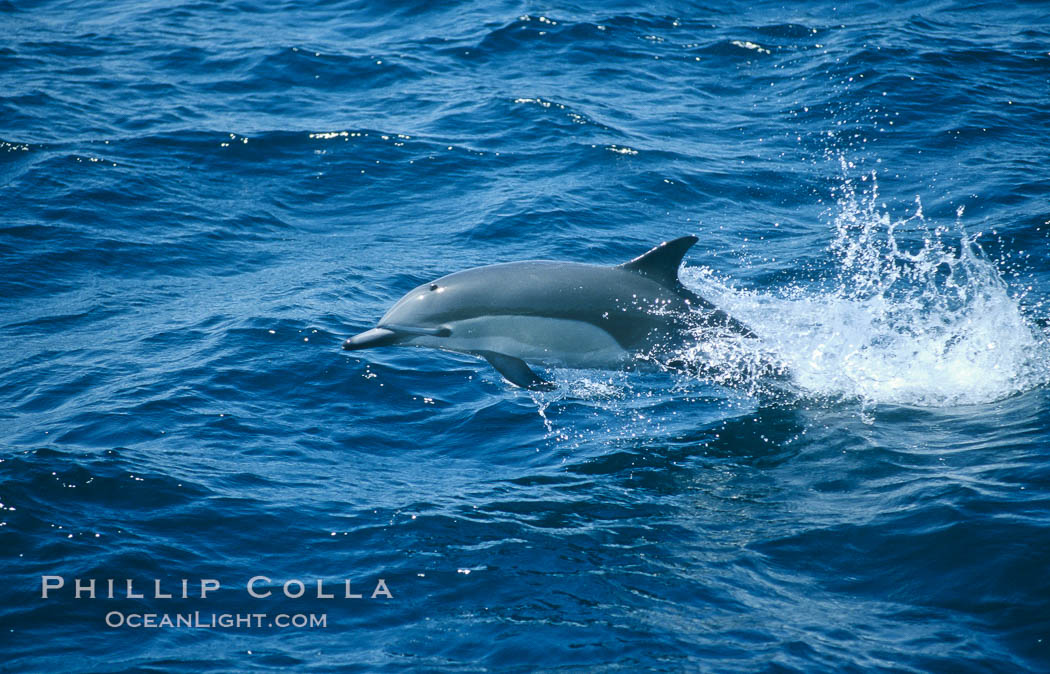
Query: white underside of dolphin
x=557, y=314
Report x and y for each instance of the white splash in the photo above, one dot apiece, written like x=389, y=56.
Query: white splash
x=908, y=317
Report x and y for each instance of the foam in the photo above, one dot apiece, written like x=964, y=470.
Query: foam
x=912, y=313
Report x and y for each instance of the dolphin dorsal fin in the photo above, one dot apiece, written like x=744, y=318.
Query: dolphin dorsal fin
x=661, y=263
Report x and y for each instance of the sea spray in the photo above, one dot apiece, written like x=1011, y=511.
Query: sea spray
x=910, y=313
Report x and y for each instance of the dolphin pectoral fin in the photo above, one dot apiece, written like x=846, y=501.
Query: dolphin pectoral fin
x=516, y=371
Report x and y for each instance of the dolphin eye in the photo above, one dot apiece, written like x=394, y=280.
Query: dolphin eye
x=433, y=286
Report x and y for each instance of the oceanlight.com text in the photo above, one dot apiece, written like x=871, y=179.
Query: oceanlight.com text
x=208, y=620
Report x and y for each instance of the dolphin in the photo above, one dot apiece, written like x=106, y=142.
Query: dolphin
x=555, y=314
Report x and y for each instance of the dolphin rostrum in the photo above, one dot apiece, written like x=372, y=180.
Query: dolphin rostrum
x=556, y=314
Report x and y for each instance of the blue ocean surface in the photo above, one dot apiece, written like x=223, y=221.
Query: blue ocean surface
x=201, y=200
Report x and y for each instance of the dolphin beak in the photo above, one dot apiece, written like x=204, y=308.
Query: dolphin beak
x=370, y=338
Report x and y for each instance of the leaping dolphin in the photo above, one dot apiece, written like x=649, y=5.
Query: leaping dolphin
x=556, y=314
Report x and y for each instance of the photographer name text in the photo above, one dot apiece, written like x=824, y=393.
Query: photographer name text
x=259, y=587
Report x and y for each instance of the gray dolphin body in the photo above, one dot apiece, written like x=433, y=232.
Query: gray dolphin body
x=558, y=314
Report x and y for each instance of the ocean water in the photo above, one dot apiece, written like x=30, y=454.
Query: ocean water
x=201, y=200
